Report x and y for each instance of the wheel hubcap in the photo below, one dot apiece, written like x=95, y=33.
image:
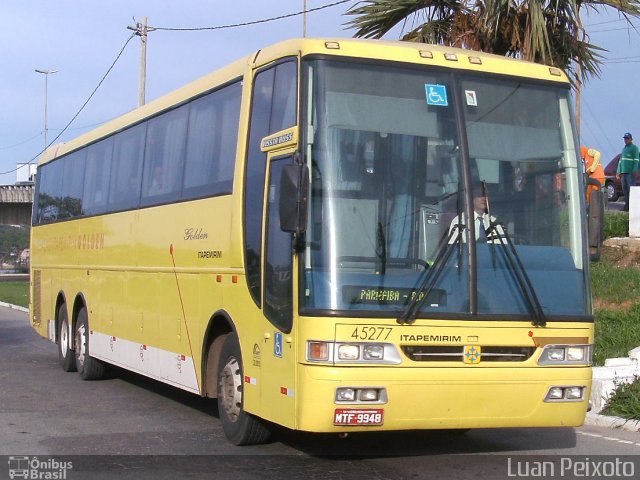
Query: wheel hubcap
x=64, y=338
x=230, y=391
x=80, y=344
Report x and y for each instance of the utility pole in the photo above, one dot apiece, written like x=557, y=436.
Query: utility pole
x=46, y=74
x=304, y=19
x=141, y=29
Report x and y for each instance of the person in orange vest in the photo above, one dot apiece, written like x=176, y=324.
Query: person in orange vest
x=593, y=167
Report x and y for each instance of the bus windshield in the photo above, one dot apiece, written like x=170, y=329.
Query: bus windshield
x=386, y=155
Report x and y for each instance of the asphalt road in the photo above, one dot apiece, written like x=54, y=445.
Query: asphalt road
x=130, y=427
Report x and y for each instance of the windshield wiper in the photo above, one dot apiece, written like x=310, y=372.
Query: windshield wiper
x=517, y=267
x=381, y=250
x=448, y=244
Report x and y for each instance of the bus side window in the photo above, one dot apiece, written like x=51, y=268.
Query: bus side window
x=164, y=157
x=128, y=154
x=98, y=171
x=49, y=191
x=211, y=143
x=72, y=185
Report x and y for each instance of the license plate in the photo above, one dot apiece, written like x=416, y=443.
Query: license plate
x=358, y=416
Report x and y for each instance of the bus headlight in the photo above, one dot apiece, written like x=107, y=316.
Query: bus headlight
x=348, y=352
x=345, y=395
x=352, y=352
x=373, y=352
x=361, y=395
x=576, y=354
x=566, y=355
x=573, y=393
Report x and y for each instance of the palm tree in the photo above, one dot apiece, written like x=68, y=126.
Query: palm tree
x=542, y=31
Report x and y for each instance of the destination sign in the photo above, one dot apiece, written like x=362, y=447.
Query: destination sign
x=352, y=294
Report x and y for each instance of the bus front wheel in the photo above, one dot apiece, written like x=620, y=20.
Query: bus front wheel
x=65, y=354
x=88, y=367
x=240, y=427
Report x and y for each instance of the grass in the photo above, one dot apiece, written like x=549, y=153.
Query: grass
x=616, y=224
x=15, y=293
x=615, y=282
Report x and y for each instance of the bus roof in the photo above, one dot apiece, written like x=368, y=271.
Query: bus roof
x=397, y=51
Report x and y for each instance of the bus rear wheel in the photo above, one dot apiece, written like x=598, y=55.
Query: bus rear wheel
x=65, y=354
x=88, y=367
x=240, y=427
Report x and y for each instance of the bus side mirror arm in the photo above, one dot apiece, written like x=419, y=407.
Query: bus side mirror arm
x=294, y=198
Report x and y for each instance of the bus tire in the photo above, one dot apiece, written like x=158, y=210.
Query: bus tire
x=240, y=427
x=88, y=367
x=65, y=354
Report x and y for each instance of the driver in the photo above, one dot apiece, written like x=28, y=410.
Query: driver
x=485, y=226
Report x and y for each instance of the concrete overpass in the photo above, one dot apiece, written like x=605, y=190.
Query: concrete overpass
x=15, y=204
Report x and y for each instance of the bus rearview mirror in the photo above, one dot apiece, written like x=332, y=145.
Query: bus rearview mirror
x=294, y=188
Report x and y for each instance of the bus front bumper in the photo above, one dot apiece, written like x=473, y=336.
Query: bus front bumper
x=440, y=398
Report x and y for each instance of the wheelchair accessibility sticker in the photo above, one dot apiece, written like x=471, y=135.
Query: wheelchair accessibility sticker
x=277, y=344
x=436, y=95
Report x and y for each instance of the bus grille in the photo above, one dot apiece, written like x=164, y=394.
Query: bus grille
x=454, y=353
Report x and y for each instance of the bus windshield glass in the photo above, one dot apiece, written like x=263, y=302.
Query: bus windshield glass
x=386, y=158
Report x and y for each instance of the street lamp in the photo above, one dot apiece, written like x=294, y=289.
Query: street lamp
x=46, y=74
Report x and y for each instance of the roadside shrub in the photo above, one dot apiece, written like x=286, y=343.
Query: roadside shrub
x=625, y=401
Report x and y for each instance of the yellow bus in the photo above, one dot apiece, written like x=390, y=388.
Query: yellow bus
x=288, y=235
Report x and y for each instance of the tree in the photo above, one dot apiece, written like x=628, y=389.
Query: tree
x=542, y=31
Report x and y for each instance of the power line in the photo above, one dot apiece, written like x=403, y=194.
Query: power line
x=27, y=140
x=593, y=117
x=21, y=142
x=254, y=22
x=606, y=22
x=628, y=27
x=80, y=110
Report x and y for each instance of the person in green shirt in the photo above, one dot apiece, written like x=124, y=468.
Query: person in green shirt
x=627, y=167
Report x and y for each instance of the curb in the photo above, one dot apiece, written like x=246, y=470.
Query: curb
x=618, y=423
x=14, y=307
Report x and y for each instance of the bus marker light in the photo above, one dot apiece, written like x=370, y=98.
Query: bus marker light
x=332, y=45
x=234, y=279
x=286, y=391
x=319, y=351
x=219, y=278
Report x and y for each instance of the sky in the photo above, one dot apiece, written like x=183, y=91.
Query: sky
x=82, y=38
